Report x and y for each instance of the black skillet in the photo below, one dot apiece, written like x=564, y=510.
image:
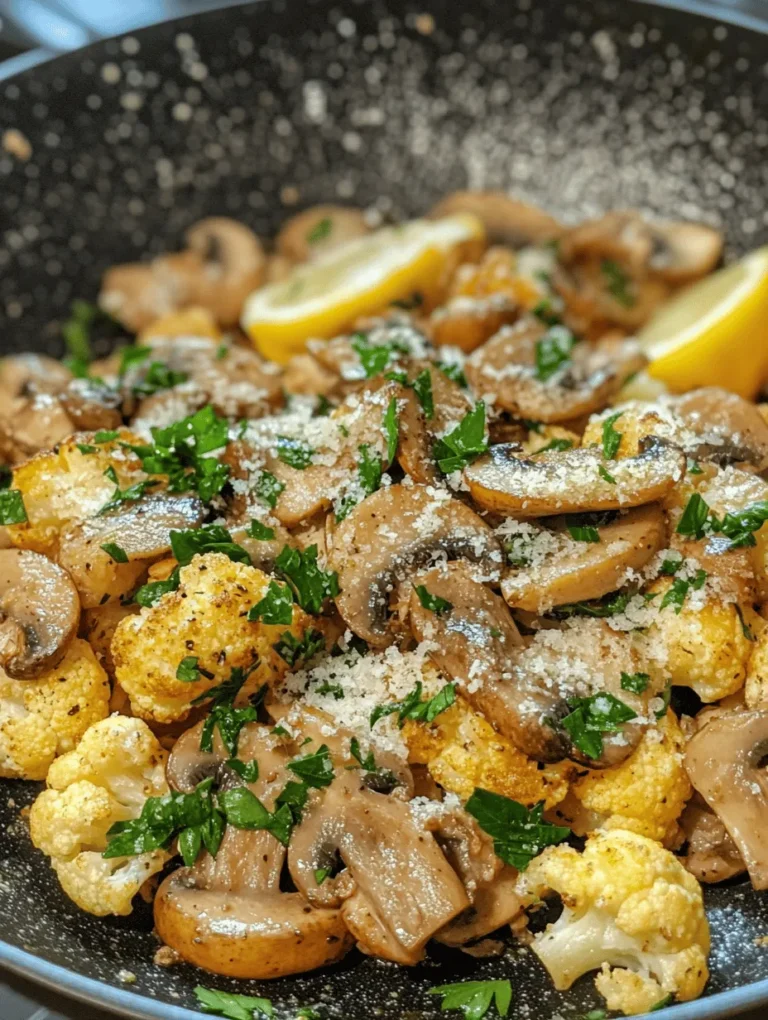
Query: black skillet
x=581, y=106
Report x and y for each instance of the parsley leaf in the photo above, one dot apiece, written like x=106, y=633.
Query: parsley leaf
x=12, y=509
x=740, y=526
x=153, y=591
x=207, y=538
x=275, y=608
x=320, y=230
x=675, y=595
x=604, y=474
x=247, y=770
x=474, y=998
x=131, y=356
x=85, y=448
x=268, y=488
x=592, y=717
x=519, y=834
x=694, y=468
x=745, y=629
x=391, y=429
x=422, y=387
x=611, y=438
x=321, y=874
x=223, y=714
x=597, y=608
x=374, y=358
x=76, y=331
x=412, y=707
x=232, y=1006
x=158, y=377
x=635, y=682
x=553, y=351
x=189, y=672
x=292, y=650
x=465, y=443
x=662, y=1003
x=105, y=435
x=555, y=444
x=453, y=372
x=545, y=312
x=130, y=495
x=431, y=602
x=118, y=554
x=617, y=282
x=259, y=531
x=583, y=533
x=310, y=583
x=369, y=470
x=694, y=518
x=294, y=452
x=315, y=769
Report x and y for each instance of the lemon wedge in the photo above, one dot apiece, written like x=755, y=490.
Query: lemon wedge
x=321, y=298
x=714, y=333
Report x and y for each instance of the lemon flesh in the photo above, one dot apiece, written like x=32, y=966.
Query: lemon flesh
x=320, y=298
x=714, y=333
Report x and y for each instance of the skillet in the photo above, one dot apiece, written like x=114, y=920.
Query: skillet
x=579, y=106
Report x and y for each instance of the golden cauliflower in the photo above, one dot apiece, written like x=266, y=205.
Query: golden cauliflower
x=207, y=617
x=756, y=687
x=64, y=485
x=463, y=751
x=644, y=794
x=47, y=716
x=705, y=646
x=631, y=911
x=115, y=768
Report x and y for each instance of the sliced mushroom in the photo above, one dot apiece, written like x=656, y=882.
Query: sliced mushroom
x=467, y=322
x=23, y=374
x=573, y=481
x=140, y=529
x=507, y=221
x=227, y=914
x=506, y=367
x=418, y=433
x=476, y=643
x=39, y=613
x=683, y=252
x=312, y=233
x=138, y=293
x=571, y=571
x=389, y=537
x=404, y=888
x=711, y=855
x=493, y=905
x=91, y=405
x=728, y=429
x=725, y=761
x=31, y=424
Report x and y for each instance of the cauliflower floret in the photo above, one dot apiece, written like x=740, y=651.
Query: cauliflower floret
x=116, y=766
x=705, y=646
x=206, y=617
x=644, y=794
x=628, y=904
x=756, y=687
x=463, y=751
x=45, y=717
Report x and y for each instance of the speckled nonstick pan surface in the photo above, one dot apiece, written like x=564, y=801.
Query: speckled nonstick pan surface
x=580, y=106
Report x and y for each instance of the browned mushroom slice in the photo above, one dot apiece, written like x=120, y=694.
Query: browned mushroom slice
x=728, y=429
x=404, y=888
x=21, y=374
x=227, y=914
x=683, y=252
x=389, y=537
x=573, y=481
x=141, y=532
x=725, y=761
x=31, y=424
x=493, y=905
x=507, y=221
x=506, y=367
x=571, y=571
x=316, y=231
x=711, y=855
x=91, y=405
x=39, y=613
x=419, y=431
x=476, y=643
x=233, y=265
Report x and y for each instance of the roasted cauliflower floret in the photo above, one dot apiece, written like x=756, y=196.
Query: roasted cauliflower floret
x=644, y=794
x=462, y=751
x=207, y=617
x=756, y=687
x=631, y=910
x=706, y=645
x=46, y=717
x=116, y=766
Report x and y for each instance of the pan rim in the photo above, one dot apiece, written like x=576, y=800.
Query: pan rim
x=121, y=1001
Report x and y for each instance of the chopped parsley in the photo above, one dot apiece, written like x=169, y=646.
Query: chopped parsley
x=693, y=521
x=233, y=1006
x=260, y=531
x=222, y=351
x=132, y=356
x=244, y=810
x=431, y=602
x=192, y=817
x=247, y=770
x=474, y=998
x=583, y=533
x=598, y=608
x=294, y=452
x=391, y=429
x=611, y=438
x=321, y=874
x=605, y=475
x=518, y=834
x=635, y=682
x=85, y=448
x=223, y=714
x=76, y=331
x=663, y=1003
x=464, y=443
x=275, y=608
x=320, y=231
x=375, y=358
x=268, y=488
x=453, y=372
x=118, y=554
x=545, y=312
x=188, y=670
x=153, y=591
x=311, y=584
x=558, y=445
x=694, y=468
x=130, y=495
x=422, y=387
x=412, y=707
x=206, y=539
x=158, y=377
x=553, y=351
x=617, y=282
x=745, y=628
x=315, y=769
x=292, y=650
x=675, y=595
x=105, y=435
x=368, y=764
x=12, y=509
x=592, y=717
x=369, y=470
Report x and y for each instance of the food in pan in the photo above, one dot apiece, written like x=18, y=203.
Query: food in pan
x=386, y=584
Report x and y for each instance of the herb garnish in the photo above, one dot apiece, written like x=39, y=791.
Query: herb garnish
x=474, y=998
x=605, y=475
x=294, y=452
x=583, y=533
x=292, y=650
x=391, y=429
x=320, y=230
x=223, y=714
x=635, y=682
x=617, y=282
x=232, y=1006
x=310, y=583
x=117, y=553
x=464, y=443
x=259, y=531
x=422, y=387
x=275, y=608
x=675, y=595
x=12, y=510
x=189, y=672
x=453, y=372
x=412, y=707
x=206, y=539
x=374, y=358
x=553, y=351
x=519, y=834
x=433, y=603
x=268, y=488
x=592, y=717
x=158, y=377
x=611, y=438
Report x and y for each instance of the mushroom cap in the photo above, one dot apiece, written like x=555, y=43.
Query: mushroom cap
x=729, y=428
x=475, y=643
x=711, y=854
x=391, y=535
x=233, y=265
x=570, y=481
x=683, y=252
x=505, y=366
x=19, y=373
x=39, y=613
x=418, y=433
x=506, y=220
x=725, y=763
x=575, y=571
x=299, y=239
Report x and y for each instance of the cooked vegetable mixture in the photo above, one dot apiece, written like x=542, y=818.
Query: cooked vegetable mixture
x=386, y=567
